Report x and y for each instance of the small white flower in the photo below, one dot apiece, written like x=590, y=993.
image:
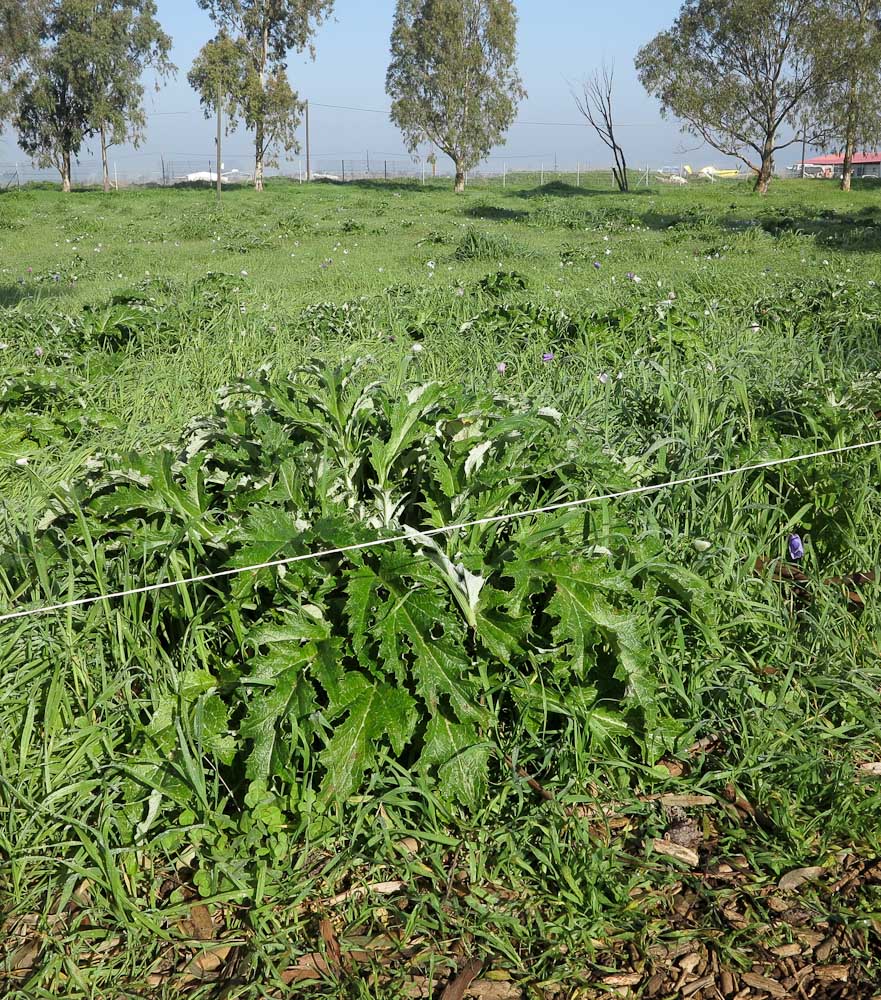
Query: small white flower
x=417, y=348
x=605, y=378
x=430, y=265
x=701, y=545
x=244, y=274
x=21, y=461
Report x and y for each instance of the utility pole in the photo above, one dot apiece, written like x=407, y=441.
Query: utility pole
x=308, y=149
x=219, y=142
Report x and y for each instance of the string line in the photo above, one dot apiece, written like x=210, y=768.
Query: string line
x=415, y=535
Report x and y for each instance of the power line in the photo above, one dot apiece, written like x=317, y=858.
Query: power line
x=414, y=536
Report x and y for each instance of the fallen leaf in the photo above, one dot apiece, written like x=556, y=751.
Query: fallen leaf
x=685, y=801
x=792, y=880
x=484, y=990
x=332, y=946
x=872, y=767
x=684, y=854
x=198, y=923
x=674, y=767
x=455, y=989
x=309, y=967
x=208, y=963
x=383, y=888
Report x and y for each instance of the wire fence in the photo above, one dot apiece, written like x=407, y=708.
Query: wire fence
x=179, y=169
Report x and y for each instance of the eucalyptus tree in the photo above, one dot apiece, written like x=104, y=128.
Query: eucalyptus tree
x=20, y=29
x=126, y=42
x=262, y=32
x=846, y=103
x=738, y=74
x=73, y=70
x=453, y=76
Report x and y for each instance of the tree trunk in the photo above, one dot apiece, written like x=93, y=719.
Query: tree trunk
x=763, y=178
x=65, y=171
x=258, y=162
x=460, y=179
x=104, y=166
x=258, y=141
x=849, y=144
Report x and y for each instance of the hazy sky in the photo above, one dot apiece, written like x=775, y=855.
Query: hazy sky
x=559, y=41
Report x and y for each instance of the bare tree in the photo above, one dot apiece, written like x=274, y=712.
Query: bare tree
x=595, y=104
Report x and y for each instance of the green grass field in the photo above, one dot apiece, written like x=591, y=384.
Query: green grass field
x=627, y=749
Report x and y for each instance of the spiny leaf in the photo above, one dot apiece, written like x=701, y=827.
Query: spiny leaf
x=379, y=711
x=460, y=757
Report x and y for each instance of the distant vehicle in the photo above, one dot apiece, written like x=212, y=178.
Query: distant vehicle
x=712, y=174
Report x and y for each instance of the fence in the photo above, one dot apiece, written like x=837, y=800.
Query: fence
x=173, y=170
x=179, y=168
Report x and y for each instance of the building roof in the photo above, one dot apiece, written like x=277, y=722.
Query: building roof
x=837, y=161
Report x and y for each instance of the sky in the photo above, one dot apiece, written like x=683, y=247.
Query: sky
x=560, y=41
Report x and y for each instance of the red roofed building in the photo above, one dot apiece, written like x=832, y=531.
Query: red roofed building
x=864, y=165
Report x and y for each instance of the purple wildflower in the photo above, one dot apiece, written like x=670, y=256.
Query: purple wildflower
x=604, y=377
x=548, y=356
x=796, y=548
x=501, y=367
x=38, y=351
x=597, y=264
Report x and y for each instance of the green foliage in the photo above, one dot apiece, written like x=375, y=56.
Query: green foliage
x=247, y=64
x=846, y=50
x=736, y=72
x=415, y=649
x=79, y=74
x=452, y=78
x=272, y=746
x=478, y=245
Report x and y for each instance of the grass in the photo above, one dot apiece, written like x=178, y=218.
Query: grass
x=144, y=848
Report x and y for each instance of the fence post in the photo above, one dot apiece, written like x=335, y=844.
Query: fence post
x=116, y=174
x=578, y=174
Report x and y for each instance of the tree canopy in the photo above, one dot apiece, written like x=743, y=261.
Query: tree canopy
x=453, y=76
x=737, y=73
x=74, y=70
x=845, y=105
x=127, y=40
x=250, y=54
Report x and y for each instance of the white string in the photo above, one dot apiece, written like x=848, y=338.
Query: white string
x=446, y=529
